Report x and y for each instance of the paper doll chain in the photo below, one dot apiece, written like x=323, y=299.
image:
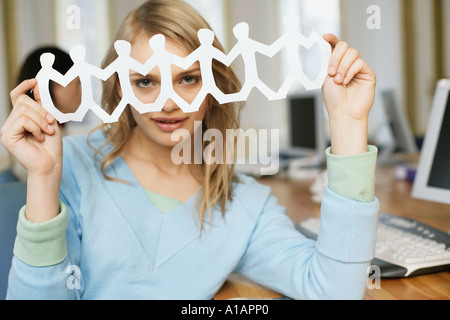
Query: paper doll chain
x=245, y=47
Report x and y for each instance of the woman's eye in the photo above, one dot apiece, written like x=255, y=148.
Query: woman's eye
x=189, y=80
x=145, y=83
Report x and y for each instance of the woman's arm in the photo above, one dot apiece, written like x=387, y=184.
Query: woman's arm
x=334, y=267
x=41, y=267
x=349, y=93
x=40, y=264
x=32, y=136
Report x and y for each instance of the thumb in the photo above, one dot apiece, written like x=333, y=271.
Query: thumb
x=331, y=39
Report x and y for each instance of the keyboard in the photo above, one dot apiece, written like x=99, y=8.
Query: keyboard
x=404, y=247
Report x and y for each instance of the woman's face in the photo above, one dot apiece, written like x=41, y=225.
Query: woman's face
x=159, y=126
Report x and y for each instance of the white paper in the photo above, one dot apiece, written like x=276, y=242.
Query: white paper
x=245, y=47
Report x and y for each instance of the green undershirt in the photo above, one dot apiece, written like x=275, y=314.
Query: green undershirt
x=162, y=203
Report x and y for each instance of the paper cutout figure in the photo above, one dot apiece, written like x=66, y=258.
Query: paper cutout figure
x=44, y=76
x=80, y=69
x=161, y=58
x=164, y=61
x=205, y=55
x=85, y=71
x=122, y=66
x=291, y=41
x=247, y=49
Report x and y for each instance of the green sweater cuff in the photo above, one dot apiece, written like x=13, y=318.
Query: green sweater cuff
x=353, y=177
x=41, y=244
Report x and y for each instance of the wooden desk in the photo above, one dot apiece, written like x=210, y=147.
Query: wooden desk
x=395, y=198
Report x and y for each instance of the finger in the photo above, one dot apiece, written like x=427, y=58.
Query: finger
x=26, y=107
x=336, y=57
x=25, y=100
x=21, y=89
x=331, y=39
x=43, y=124
x=358, y=70
x=25, y=124
x=353, y=71
x=347, y=61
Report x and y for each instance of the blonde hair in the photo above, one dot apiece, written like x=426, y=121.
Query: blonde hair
x=179, y=22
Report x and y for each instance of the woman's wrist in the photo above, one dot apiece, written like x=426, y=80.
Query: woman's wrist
x=349, y=136
x=43, y=197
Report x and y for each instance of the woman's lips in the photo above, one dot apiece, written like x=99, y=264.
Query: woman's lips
x=169, y=124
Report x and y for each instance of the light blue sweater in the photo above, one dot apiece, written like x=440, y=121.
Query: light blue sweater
x=114, y=244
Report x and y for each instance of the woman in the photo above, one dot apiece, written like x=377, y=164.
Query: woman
x=115, y=218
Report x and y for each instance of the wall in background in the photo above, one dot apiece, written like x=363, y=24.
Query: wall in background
x=119, y=10
x=409, y=53
x=382, y=50
x=427, y=55
x=446, y=37
x=34, y=25
x=421, y=67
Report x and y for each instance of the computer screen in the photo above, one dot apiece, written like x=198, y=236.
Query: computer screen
x=403, y=139
x=432, y=180
x=306, y=124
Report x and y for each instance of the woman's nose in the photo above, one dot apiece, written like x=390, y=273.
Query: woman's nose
x=170, y=106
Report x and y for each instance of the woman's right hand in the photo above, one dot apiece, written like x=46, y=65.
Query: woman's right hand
x=32, y=136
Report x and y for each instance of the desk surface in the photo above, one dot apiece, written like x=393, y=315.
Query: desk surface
x=395, y=198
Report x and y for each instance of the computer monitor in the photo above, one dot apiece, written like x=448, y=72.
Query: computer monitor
x=306, y=134
x=403, y=140
x=432, y=180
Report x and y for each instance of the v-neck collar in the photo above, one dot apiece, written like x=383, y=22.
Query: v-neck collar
x=160, y=235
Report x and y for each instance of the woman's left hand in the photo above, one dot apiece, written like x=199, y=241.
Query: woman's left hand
x=349, y=93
